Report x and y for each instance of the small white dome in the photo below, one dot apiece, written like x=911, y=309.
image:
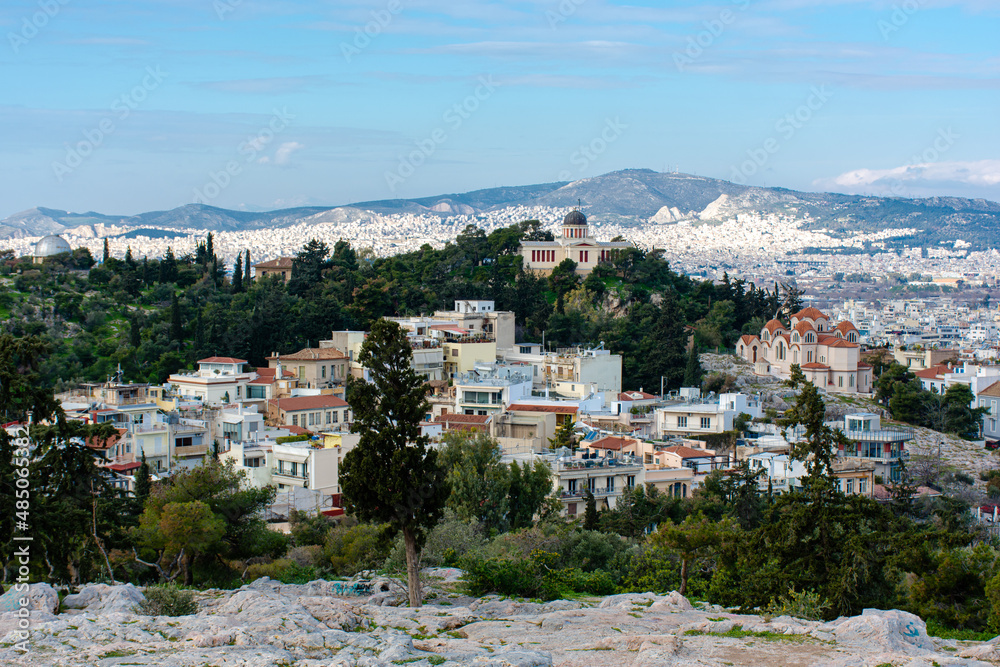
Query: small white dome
x=51, y=245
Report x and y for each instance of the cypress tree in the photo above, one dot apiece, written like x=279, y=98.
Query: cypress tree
x=246, y=271
x=693, y=371
x=107, y=251
x=176, y=327
x=238, y=275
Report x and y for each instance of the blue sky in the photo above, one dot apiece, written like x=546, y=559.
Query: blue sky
x=127, y=106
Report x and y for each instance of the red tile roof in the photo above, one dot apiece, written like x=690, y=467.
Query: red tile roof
x=992, y=390
x=812, y=365
x=934, y=372
x=803, y=327
x=636, y=396
x=464, y=419
x=748, y=339
x=840, y=342
x=773, y=325
x=611, y=442
x=296, y=430
x=95, y=443
x=279, y=263
x=222, y=360
x=308, y=403
x=845, y=327
x=810, y=313
x=125, y=467
x=687, y=452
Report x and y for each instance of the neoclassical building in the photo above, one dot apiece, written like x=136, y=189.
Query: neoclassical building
x=575, y=243
x=830, y=356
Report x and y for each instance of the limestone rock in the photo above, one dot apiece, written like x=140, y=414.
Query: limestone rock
x=890, y=631
x=39, y=597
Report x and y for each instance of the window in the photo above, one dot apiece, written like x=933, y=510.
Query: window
x=347, y=415
x=630, y=480
x=850, y=380
x=295, y=468
x=183, y=442
x=611, y=484
x=305, y=469
x=322, y=370
x=312, y=418
x=810, y=338
x=795, y=337
x=584, y=256
x=809, y=357
x=571, y=509
x=281, y=466
x=682, y=422
x=863, y=486
x=706, y=422
x=328, y=418
x=850, y=486
x=571, y=486
x=592, y=484
x=795, y=356
x=333, y=417
x=525, y=350
x=295, y=420
x=840, y=380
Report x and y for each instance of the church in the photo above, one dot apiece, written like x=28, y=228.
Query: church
x=829, y=356
x=575, y=243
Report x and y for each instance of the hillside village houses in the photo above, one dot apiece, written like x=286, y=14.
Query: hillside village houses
x=518, y=393
x=829, y=355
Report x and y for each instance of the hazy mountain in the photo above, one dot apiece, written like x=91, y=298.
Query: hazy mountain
x=634, y=196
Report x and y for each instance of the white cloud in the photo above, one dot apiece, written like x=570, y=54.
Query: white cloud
x=963, y=178
x=285, y=150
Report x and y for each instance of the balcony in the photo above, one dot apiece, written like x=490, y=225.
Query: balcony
x=190, y=451
x=598, y=492
x=300, y=475
x=611, y=465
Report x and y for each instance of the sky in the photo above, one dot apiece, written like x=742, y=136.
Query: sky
x=125, y=106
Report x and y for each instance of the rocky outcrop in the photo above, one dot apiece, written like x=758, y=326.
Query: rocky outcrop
x=267, y=624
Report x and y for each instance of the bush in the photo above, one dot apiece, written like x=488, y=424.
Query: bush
x=285, y=570
x=536, y=577
x=447, y=543
x=805, y=605
x=167, y=600
x=350, y=549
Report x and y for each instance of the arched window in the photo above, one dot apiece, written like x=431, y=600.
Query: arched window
x=795, y=337
x=853, y=337
x=810, y=338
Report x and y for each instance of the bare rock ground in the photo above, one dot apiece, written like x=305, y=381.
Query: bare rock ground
x=268, y=624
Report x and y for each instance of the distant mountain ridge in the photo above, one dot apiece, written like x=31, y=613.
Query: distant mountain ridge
x=633, y=197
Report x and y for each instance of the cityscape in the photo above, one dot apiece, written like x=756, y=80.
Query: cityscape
x=554, y=334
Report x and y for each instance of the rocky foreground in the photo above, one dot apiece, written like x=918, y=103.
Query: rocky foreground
x=271, y=624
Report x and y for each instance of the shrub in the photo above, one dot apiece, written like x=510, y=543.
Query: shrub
x=447, y=543
x=285, y=570
x=536, y=577
x=799, y=604
x=351, y=548
x=167, y=600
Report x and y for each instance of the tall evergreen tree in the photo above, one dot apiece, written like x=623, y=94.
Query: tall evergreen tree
x=238, y=274
x=693, y=371
x=210, y=247
x=176, y=324
x=392, y=476
x=246, y=271
x=107, y=251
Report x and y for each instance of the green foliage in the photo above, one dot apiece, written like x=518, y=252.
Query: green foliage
x=959, y=589
x=392, y=476
x=693, y=372
x=799, y=604
x=309, y=528
x=536, y=577
x=285, y=570
x=167, y=600
x=349, y=549
x=695, y=537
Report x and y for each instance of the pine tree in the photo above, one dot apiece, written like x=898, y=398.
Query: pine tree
x=392, y=476
x=238, y=275
x=693, y=371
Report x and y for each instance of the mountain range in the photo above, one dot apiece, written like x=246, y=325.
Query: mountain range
x=634, y=197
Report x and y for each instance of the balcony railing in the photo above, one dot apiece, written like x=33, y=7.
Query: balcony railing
x=288, y=473
x=605, y=464
x=601, y=492
x=190, y=450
